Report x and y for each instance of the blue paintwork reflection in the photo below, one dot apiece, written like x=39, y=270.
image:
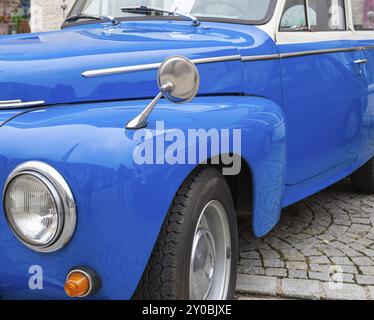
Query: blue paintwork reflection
x=323, y=103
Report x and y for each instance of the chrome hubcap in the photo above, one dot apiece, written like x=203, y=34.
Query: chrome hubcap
x=211, y=258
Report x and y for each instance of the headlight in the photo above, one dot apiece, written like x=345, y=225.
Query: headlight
x=39, y=207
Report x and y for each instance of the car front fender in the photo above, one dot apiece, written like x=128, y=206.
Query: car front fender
x=121, y=204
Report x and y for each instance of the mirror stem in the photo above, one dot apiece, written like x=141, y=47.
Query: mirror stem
x=141, y=120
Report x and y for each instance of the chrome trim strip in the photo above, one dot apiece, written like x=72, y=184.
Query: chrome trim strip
x=15, y=104
x=155, y=66
x=152, y=66
x=316, y=52
x=119, y=70
x=260, y=58
x=237, y=57
x=10, y=101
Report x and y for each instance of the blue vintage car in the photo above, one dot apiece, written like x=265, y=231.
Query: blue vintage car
x=132, y=139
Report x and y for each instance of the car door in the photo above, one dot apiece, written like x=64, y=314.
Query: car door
x=322, y=88
x=363, y=24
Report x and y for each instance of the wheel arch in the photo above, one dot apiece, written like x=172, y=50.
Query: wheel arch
x=251, y=197
x=241, y=187
x=258, y=187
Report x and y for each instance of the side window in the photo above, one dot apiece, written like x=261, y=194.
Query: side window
x=326, y=15
x=363, y=14
x=322, y=15
x=294, y=16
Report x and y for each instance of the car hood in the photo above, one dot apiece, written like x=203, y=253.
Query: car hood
x=49, y=66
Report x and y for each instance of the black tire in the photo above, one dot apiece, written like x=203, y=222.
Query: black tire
x=167, y=275
x=363, y=178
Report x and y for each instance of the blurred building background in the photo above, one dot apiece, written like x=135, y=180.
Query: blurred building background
x=358, y=9
x=46, y=15
x=23, y=16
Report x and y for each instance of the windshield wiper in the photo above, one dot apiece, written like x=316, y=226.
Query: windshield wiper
x=146, y=10
x=80, y=16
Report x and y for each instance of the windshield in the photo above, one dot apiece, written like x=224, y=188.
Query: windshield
x=253, y=11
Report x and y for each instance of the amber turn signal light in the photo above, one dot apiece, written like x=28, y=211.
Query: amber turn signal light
x=77, y=285
x=81, y=283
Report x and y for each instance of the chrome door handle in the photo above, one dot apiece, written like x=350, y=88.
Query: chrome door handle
x=361, y=61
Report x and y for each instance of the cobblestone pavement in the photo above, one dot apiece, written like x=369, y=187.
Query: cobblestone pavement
x=328, y=236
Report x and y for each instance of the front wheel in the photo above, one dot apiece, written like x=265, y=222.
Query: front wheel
x=195, y=257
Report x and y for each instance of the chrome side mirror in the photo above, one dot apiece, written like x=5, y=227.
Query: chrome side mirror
x=179, y=82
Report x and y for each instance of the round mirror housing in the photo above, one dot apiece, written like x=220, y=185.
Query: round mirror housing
x=179, y=82
x=178, y=79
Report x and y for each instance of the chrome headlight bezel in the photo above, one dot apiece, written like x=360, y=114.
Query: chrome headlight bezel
x=64, y=201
